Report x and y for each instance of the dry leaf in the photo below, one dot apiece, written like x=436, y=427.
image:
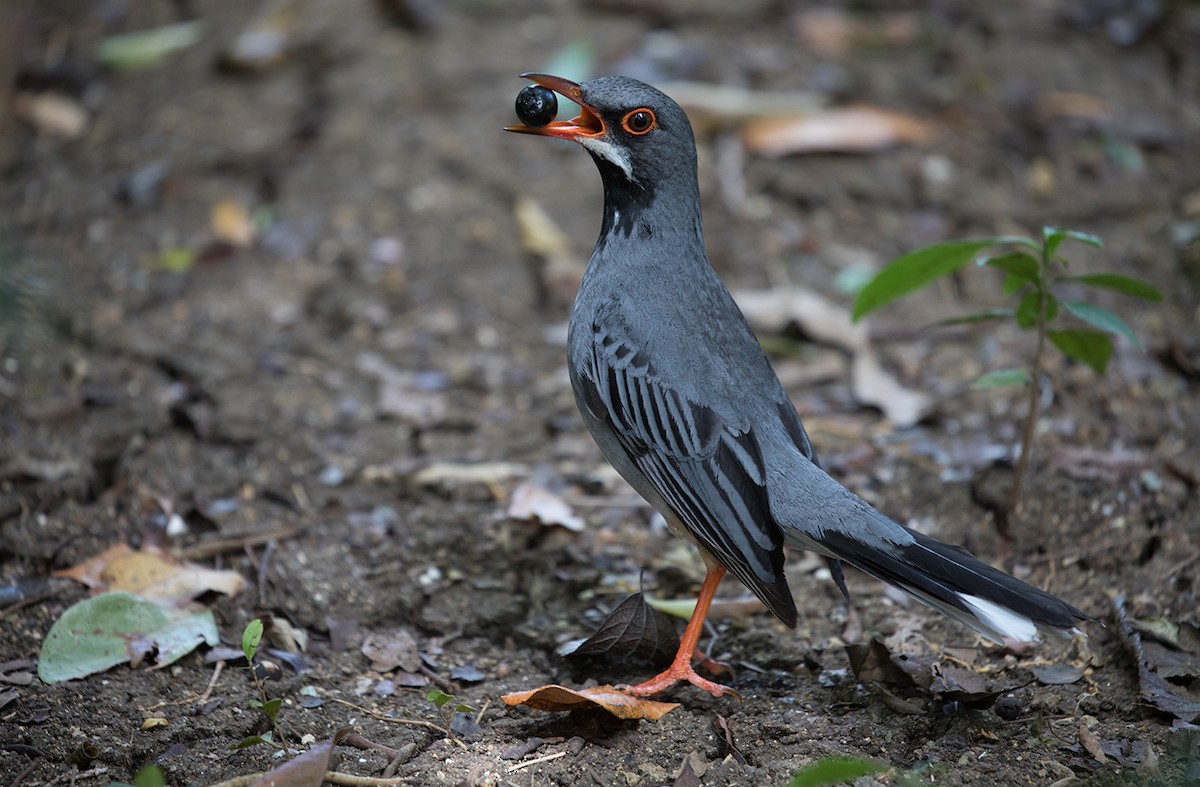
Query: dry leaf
x=53, y=113
x=450, y=474
x=151, y=574
x=415, y=398
x=307, y=769
x=842, y=129
x=1090, y=741
x=633, y=628
x=231, y=223
x=532, y=502
x=388, y=650
x=618, y=703
x=828, y=323
x=558, y=269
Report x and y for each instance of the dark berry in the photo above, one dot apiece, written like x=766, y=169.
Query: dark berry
x=536, y=105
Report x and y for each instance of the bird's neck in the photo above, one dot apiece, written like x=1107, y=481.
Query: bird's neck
x=652, y=212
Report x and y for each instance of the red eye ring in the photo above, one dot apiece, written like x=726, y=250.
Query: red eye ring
x=639, y=121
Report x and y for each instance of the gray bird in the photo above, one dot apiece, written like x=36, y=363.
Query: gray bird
x=681, y=399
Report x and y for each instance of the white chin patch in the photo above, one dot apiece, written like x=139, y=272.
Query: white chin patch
x=1001, y=620
x=609, y=152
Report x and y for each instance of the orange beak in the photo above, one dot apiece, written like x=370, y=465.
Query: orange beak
x=586, y=124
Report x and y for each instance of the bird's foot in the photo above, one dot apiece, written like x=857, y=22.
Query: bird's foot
x=711, y=665
x=673, y=675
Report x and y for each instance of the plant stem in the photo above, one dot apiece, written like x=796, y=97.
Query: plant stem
x=1029, y=430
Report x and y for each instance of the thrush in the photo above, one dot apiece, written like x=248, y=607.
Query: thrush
x=682, y=401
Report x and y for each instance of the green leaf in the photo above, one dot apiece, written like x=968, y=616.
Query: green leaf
x=1103, y=319
x=149, y=776
x=1013, y=284
x=114, y=628
x=1091, y=347
x=916, y=269
x=1121, y=284
x=980, y=316
x=145, y=48
x=1016, y=263
x=463, y=707
x=1002, y=378
x=253, y=740
x=271, y=708
x=251, y=636
x=1027, y=310
x=835, y=770
x=438, y=697
x=1053, y=236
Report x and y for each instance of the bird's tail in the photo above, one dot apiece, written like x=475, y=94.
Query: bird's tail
x=947, y=578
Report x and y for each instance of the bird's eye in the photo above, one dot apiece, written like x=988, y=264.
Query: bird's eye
x=639, y=121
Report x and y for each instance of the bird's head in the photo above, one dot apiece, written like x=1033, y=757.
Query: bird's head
x=630, y=128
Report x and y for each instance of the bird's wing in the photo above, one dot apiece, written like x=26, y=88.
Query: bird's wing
x=708, y=471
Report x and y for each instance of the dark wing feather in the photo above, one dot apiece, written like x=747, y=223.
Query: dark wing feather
x=709, y=472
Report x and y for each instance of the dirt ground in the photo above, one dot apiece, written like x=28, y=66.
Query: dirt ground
x=341, y=409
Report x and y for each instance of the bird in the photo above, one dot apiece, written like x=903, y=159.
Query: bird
x=681, y=399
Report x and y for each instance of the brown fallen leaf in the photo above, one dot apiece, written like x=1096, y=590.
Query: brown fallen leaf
x=231, y=223
x=559, y=698
x=858, y=129
x=152, y=574
x=1090, y=741
x=307, y=769
x=390, y=649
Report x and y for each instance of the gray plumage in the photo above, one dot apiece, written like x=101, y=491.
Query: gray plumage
x=683, y=402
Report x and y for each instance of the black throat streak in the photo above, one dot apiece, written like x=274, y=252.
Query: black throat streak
x=626, y=203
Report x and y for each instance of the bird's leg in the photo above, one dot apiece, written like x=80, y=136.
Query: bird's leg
x=681, y=668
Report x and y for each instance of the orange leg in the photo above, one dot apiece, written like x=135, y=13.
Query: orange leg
x=681, y=668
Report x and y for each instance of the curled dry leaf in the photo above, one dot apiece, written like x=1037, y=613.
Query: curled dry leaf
x=559, y=698
x=532, y=502
x=842, y=129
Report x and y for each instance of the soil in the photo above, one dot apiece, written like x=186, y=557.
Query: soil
x=287, y=399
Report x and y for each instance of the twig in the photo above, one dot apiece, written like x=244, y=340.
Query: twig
x=392, y=720
x=264, y=570
x=539, y=760
x=203, y=698
x=221, y=546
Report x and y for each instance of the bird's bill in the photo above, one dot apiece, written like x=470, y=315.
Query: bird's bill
x=586, y=124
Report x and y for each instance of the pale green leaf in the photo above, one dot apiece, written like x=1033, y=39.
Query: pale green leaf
x=146, y=48
x=114, y=628
x=1054, y=236
x=1002, y=378
x=251, y=636
x=1103, y=319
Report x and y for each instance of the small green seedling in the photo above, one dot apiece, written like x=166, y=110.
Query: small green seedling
x=447, y=704
x=1032, y=270
x=835, y=770
x=251, y=637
